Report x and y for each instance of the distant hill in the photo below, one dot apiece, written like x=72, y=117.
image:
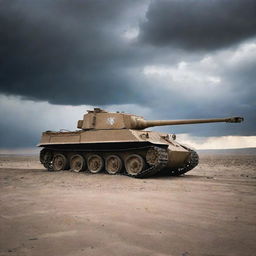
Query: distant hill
x=242, y=151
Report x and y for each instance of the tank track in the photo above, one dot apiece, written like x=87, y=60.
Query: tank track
x=189, y=165
x=46, y=156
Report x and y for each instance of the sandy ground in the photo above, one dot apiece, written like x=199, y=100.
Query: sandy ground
x=210, y=211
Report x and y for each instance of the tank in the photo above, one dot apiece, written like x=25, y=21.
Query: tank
x=117, y=143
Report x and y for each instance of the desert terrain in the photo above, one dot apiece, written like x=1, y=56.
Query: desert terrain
x=210, y=211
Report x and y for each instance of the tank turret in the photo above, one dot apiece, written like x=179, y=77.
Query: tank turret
x=101, y=119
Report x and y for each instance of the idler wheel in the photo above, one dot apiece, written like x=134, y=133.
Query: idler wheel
x=46, y=157
x=95, y=163
x=77, y=163
x=59, y=162
x=113, y=164
x=134, y=164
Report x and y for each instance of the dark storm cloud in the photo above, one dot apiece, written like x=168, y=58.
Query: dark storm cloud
x=76, y=52
x=10, y=137
x=211, y=109
x=199, y=24
x=66, y=52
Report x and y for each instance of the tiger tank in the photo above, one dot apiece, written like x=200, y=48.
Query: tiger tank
x=117, y=143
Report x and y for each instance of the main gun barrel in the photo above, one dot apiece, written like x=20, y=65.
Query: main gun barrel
x=142, y=124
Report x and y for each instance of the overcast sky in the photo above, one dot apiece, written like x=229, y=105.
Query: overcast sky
x=163, y=59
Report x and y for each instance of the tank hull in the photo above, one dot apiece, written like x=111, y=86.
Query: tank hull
x=155, y=151
x=115, y=139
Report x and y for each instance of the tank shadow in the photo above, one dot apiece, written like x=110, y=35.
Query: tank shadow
x=159, y=176
x=165, y=176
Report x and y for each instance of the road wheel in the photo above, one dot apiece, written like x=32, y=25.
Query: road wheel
x=113, y=164
x=95, y=163
x=59, y=162
x=77, y=163
x=134, y=164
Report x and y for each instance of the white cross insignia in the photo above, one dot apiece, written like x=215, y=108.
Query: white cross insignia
x=111, y=120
